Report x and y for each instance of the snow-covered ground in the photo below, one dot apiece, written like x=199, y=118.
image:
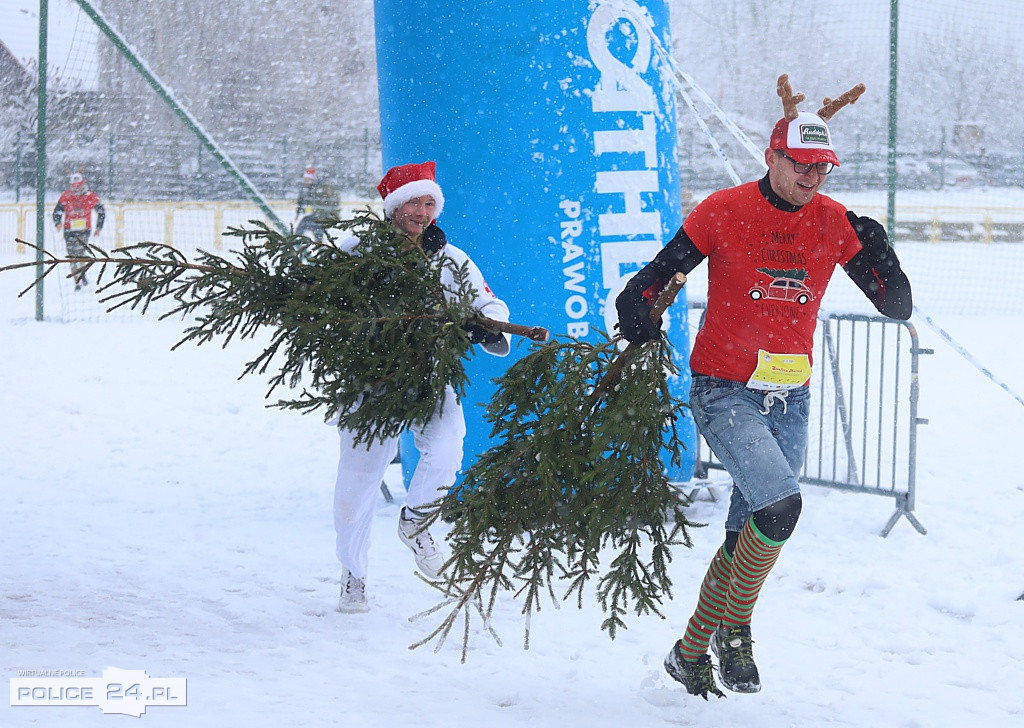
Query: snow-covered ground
x=156, y=516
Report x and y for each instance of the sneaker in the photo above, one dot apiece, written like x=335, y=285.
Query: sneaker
x=696, y=677
x=353, y=593
x=734, y=649
x=428, y=556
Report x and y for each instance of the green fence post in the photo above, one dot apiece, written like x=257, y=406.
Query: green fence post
x=110, y=165
x=17, y=166
x=284, y=167
x=893, y=71
x=41, y=157
x=183, y=114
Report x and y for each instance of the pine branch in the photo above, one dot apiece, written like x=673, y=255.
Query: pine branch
x=577, y=472
x=371, y=337
x=614, y=372
x=102, y=258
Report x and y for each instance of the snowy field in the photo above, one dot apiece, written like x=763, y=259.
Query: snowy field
x=157, y=517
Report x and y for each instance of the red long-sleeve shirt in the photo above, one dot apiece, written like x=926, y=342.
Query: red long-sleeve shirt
x=76, y=211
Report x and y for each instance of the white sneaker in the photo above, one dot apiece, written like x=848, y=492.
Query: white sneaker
x=428, y=556
x=353, y=593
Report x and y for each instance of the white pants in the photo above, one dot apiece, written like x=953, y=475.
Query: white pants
x=361, y=471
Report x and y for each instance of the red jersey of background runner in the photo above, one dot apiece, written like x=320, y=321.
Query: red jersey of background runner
x=77, y=209
x=767, y=272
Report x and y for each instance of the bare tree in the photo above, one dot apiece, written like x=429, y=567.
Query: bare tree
x=265, y=68
x=737, y=50
x=962, y=77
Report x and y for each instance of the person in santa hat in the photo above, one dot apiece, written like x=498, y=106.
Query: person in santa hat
x=76, y=210
x=412, y=203
x=772, y=246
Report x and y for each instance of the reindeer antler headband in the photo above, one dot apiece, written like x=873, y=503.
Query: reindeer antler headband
x=826, y=112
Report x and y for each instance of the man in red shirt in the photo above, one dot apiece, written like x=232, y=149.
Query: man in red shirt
x=771, y=246
x=75, y=209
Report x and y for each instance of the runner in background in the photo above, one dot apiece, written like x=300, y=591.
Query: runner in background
x=81, y=213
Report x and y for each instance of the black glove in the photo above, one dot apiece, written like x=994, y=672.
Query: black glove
x=480, y=335
x=635, y=321
x=433, y=239
x=876, y=270
x=635, y=311
x=870, y=232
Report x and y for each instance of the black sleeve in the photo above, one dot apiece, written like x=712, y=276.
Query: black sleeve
x=876, y=270
x=680, y=255
x=58, y=214
x=101, y=215
x=637, y=299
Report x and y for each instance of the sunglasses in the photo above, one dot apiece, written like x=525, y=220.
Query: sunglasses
x=800, y=168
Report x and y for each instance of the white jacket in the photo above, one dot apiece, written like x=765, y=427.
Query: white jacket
x=486, y=302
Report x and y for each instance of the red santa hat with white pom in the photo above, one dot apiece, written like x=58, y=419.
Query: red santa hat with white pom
x=406, y=181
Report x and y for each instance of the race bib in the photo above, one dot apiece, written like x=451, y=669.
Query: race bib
x=78, y=223
x=780, y=371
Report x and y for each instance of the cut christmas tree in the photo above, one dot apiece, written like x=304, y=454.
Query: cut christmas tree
x=371, y=337
x=574, y=489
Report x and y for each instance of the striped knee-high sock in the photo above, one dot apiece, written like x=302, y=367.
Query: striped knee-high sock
x=754, y=556
x=710, y=606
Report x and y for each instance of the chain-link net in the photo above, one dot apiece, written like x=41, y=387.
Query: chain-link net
x=959, y=214
x=246, y=96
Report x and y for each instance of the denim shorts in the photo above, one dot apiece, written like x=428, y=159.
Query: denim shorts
x=762, y=452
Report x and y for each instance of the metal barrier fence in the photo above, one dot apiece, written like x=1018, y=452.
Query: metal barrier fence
x=862, y=432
